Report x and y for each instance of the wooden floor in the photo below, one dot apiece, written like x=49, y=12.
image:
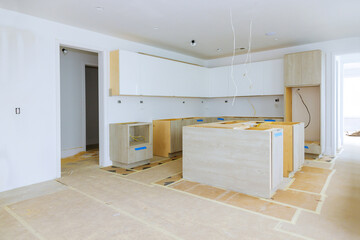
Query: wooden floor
x=154, y=202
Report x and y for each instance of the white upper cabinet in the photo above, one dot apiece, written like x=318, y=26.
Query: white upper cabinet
x=163, y=77
x=191, y=81
x=273, y=77
x=249, y=79
x=219, y=79
x=156, y=76
x=138, y=74
x=129, y=73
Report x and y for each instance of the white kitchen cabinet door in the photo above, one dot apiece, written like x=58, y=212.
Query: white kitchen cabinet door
x=156, y=76
x=274, y=77
x=241, y=80
x=190, y=81
x=197, y=81
x=128, y=73
x=256, y=80
x=219, y=81
x=249, y=79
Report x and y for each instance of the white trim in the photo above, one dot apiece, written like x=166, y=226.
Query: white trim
x=83, y=105
x=71, y=152
x=103, y=85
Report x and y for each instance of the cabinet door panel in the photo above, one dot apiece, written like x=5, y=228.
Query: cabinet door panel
x=219, y=81
x=311, y=68
x=273, y=79
x=128, y=73
x=191, y=81
x=249, y=79
x=255, y=73
x=292, y=69
x=155, y=76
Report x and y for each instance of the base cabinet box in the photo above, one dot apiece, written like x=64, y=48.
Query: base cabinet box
x=131, y=144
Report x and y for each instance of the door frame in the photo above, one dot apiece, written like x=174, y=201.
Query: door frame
x=340, y=60
x=102, y=85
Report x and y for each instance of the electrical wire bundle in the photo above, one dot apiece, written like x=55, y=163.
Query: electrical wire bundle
x=307, y=109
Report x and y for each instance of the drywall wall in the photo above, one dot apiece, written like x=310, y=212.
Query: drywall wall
x=265, y=106
x=73, y=102
x=92, y=105
x=130, y=108
x=331, y=50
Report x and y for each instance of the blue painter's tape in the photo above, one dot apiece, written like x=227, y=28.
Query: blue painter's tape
x=306, y=147
x=269, y=120
x=200, y=120
x=221, y=119
x=278, y=134
x=140, y=148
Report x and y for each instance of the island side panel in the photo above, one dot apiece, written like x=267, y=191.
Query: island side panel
x=237, y=160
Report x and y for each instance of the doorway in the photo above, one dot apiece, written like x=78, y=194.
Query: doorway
x=349, y=98
x=79, y=105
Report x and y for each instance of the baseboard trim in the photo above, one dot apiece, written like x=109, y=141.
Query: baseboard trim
x=71, y=152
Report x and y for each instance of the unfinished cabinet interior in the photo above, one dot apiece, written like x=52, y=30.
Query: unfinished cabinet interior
x=297, y=112
x=293, y=145
x=168, y=133
x=131, y=144
x=303, y=69
x=167, y=136
x=234, y=156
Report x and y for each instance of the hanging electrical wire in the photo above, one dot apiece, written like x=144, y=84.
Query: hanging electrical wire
x=252, y=105
x=248, y=57
x=233, y=57
x=307, y=109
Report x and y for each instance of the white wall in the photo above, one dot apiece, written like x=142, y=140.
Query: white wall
x=73, y=103
x=130, y=109
x=331, y=49
x=245, y=106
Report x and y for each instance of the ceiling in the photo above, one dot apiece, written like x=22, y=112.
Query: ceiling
x=172, y=24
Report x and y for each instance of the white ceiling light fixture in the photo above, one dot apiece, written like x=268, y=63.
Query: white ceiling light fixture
x=156, y=28
x=64, y=51
x=269, y=34
x=99, y=9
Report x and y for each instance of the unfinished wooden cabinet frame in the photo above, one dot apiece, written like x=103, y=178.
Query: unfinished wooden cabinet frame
x=130, y=144
x=247, y=160
x=114, y=89
x=167, y=136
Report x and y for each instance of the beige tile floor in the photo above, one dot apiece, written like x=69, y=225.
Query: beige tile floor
x=89, y=203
